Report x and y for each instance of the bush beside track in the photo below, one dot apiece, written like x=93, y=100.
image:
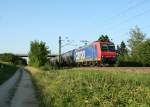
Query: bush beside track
x=77, y=88
x=6, y=71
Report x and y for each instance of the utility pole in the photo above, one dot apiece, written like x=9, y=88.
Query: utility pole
x=60, y=50
x=61, y=46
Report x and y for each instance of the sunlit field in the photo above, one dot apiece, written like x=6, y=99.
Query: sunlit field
x=91, y=88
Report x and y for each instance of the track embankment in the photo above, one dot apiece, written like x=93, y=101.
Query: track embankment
x=18, y=91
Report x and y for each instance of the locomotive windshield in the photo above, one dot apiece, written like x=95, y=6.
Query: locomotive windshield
x=107, y=47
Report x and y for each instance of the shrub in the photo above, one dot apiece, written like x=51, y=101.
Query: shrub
x=127, y=61
x=6, y=71
x=46, y=67
x=38, y=55
x=144, y=53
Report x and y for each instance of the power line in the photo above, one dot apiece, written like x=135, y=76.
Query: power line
x=125, y=11
x=132, y=7
x=129, y=19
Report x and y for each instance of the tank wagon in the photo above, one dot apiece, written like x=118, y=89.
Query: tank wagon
x=67, y=59
x=95, y=54
x=54, y=61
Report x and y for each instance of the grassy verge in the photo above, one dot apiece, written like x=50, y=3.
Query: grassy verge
x=6, y=71
x=77, y=88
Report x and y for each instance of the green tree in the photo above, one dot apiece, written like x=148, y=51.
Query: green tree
x=123, y=49
x=7, y=57
x=136, y=37
x=104, y=38
x=144, y=52
x=38, y=55
x=118, y=49
x=122, y=55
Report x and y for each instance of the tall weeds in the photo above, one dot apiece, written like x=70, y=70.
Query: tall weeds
x=72, y=88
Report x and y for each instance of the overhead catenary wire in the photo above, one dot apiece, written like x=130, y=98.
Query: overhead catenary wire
x=123, y=12
x=132, y=7
x=130, y=19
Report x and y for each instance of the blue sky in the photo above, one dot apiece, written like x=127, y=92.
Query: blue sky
x=22, y=21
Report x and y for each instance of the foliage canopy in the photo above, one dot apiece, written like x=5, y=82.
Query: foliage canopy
x=104, y=38
x=38, y=55
x=122, y=49
x=144, y=52
x=136, y=37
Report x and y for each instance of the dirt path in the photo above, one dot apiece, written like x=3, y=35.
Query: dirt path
x=18, y=91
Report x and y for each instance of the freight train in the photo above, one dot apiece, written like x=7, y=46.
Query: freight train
x=94, y=54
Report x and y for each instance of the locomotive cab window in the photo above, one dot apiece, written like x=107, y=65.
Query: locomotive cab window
x=111, y=47
x=107, y=47
x=104, y=47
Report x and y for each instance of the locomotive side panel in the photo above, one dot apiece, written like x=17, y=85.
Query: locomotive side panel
x=86, y=54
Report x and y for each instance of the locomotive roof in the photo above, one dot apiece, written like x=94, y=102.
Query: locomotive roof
x=68, y=51
x=102, y=42
x=81, y=47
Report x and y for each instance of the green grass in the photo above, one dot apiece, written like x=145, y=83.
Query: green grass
x=78, y=88
x=6, y=71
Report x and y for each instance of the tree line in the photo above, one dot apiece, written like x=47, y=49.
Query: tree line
x=137, y=50
x=12, y=59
